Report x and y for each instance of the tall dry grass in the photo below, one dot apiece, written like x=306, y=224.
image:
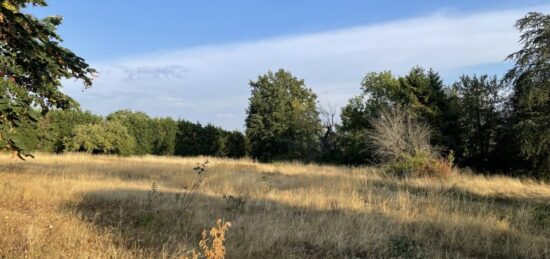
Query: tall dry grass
x=82, y=206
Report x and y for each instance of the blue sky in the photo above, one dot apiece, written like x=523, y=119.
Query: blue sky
x=193, y=60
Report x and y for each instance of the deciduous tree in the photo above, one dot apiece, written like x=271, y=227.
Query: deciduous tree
x=282, y=120
x=32, y=65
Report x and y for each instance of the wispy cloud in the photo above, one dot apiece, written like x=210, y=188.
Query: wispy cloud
x=227, y=115
x=153, y=73
x=205, y=82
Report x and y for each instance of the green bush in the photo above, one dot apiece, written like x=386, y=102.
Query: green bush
x=421, y=164
x=103, y=138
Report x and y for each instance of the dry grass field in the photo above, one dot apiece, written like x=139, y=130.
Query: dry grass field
x=82, y=206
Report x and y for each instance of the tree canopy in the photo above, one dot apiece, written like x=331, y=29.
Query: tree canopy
x=107, y=137
x=32, y=64
x=282, y=119
x=530, y=78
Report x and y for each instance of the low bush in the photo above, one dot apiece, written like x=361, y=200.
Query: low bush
x=420, y=165
x=213, y=247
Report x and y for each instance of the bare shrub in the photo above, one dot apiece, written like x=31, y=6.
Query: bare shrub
x=186, y=197
x=395, y=134
x=403, y=144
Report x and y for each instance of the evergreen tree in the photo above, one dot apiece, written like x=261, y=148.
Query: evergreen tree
x=480, y=118
x=234, y=145
x=187, y=138
x=425, y=99
x=530, y=78
x=210, y=141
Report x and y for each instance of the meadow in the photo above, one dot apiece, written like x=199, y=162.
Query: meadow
x=84, y=206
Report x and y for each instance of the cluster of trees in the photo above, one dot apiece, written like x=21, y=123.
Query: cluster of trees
x=128, y=133
x=194, y=139
x=486, y=122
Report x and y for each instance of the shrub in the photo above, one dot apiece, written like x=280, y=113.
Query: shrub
x=403, y=144
x=185, y=198
x=418, y=166
x=213, y=247
x=396, y=134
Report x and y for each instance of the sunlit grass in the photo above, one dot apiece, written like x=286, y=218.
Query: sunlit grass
x=77, y=205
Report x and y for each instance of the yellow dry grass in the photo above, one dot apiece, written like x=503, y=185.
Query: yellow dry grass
x=82, y=206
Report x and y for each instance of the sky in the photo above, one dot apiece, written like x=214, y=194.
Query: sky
x=194, y=59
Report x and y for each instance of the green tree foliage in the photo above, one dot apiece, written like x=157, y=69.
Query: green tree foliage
x=481, y=118
x=29, y=134
x=193, y=139
x=233, y=145
x=187, y=137
x=58, y=124
x=47, y=134
x=153, y=135
x=107, y=137
x=282, y=120
x=379, y=91
x=530, y=78
x=140, y=126
x=32, y=64
x=351, y=134
x=165, y=136
x=210, y=140
x=420, y=93
x=52, y=132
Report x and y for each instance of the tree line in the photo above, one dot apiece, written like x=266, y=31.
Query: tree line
x=126, y=132
x=481, y=121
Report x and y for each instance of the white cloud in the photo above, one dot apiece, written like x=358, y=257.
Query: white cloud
x=202, y=83
x=228, y=115
x=153, y=73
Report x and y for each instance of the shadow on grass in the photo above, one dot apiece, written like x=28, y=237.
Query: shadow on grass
x=158, y=225
x=152, y=222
